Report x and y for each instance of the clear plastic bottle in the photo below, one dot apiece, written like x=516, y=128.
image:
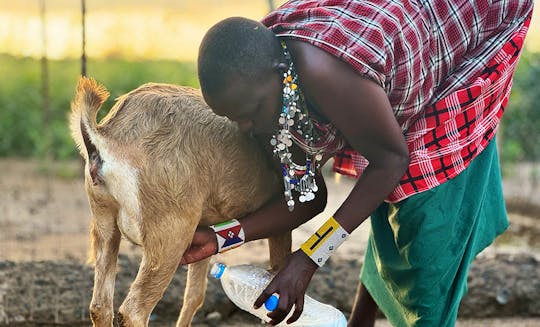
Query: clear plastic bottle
x=244, y=283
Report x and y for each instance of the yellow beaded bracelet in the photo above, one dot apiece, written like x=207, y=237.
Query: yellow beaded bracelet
x=321, y=245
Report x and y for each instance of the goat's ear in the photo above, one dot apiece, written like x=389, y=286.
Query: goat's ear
x=94, y=167
x=88, y=145
x=94, y=159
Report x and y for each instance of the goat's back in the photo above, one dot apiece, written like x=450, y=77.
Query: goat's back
x=187, y=153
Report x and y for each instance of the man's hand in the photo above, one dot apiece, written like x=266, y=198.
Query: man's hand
x=290, y=283
x=203, y=245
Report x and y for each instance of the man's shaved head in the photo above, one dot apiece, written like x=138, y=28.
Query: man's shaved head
x=235, y=48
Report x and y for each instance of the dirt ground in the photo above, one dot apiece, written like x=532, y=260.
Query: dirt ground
x=44, y=215
x=512, y=322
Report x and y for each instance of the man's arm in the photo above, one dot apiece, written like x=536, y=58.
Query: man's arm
x=361, y=111
x=359, y=108
x=274, y=217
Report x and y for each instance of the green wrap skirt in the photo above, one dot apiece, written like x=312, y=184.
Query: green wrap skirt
x=420, y=249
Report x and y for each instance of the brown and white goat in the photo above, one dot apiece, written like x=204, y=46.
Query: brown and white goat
x=159, y=164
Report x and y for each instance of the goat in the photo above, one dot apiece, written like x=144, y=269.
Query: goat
x=159, y=164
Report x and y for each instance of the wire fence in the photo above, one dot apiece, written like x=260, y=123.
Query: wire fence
x=59, y=293
x=44, y=292
x=38, y=293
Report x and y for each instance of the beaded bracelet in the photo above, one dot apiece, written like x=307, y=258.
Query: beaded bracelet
x=321, y=245
x=229, y=235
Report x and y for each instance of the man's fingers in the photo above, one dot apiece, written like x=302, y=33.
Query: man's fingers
x=192, y=255
x=266, y=293
x=281, y=312
x=298, y=309
x=187, y=258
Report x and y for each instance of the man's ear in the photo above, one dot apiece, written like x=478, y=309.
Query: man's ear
x=280, y=67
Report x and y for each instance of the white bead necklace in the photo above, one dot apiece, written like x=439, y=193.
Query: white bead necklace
x=294, y=115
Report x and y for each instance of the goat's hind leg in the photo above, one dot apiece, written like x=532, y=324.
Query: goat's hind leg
x=105, y=243
x=194, y=292
x=280, y=248
x=163, y=248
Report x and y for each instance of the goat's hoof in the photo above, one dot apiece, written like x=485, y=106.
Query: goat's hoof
x=120, y=320
x=100, y=316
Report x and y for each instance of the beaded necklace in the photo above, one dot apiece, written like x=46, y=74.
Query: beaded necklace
x=294, y=117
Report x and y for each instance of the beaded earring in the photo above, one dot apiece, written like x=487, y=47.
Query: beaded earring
x=294, y=117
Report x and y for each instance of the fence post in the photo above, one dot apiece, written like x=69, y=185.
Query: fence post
x=83, y=27
x=45, y=105
x=271, y=5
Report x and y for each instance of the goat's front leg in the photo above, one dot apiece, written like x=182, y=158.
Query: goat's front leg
x=163, y=247
x=194, y=292
x=105, y=243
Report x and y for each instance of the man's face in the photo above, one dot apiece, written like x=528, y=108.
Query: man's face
x=254, y=105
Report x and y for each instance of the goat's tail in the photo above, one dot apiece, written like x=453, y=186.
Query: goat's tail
x=84, y=108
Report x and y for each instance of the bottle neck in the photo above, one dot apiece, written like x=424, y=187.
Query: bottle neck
x=217, y=270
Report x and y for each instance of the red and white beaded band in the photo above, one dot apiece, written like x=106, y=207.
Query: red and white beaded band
x=229, y=234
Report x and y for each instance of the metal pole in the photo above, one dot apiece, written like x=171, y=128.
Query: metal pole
x=46, y=115
x=83, y=56
x=271, y=5
x=44, y=67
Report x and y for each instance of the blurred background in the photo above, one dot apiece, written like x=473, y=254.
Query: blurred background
x=45, y=45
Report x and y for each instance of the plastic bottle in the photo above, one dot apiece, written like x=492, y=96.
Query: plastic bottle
x=244, y=283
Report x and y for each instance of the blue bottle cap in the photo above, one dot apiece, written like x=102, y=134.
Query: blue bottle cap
x=217, y=270
x=271, y=303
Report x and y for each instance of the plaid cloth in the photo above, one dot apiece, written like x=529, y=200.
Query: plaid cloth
x=446, y=66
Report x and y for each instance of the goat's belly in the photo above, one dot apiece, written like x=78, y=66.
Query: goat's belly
x=122, y=180
x=130, y=228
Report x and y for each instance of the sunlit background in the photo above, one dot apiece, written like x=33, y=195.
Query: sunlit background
x=43, y=209
x=138, y=29
x=128, y=43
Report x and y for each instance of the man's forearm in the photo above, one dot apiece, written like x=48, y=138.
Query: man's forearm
x=370, y=191
x=274, y=217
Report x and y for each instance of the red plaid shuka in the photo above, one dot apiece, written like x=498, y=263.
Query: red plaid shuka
x=446, y=66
